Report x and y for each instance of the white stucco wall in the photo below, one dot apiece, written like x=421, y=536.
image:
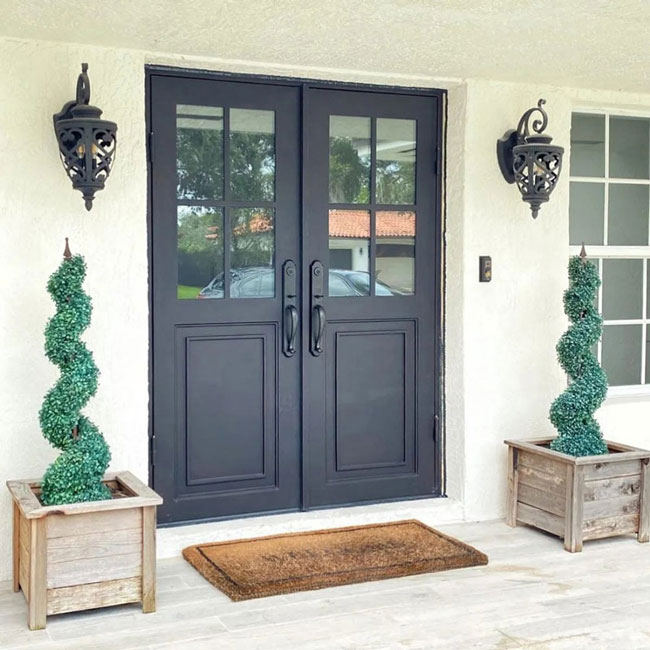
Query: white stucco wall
x=500, y=364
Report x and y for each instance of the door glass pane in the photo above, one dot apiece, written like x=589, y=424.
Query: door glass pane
x=629, y=147
x=395, y=161
x=586, y=213
x=349, y=159
x=587, y=145
x=199, y=252
x=252, y=155
x=395, y=252
x=252, y=252
x=622, y=354
x=349, y=252
x=627, y=221
x=199, y=152
x=622, y=289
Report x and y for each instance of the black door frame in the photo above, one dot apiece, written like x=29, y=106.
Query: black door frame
x=438, y=426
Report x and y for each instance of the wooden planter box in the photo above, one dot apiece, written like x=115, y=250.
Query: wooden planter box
x=85, y=555
x=579, y=498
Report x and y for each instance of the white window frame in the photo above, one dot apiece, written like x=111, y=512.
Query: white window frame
x=619, y=252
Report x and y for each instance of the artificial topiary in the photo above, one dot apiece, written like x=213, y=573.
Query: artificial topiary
x=76, y=475
x=572, y=412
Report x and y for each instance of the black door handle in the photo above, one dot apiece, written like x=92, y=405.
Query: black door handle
x=318, y=319
x=318, y=328
x=289, y=308
x=290, y=328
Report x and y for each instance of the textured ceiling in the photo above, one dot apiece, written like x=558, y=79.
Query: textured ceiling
x=582, y=43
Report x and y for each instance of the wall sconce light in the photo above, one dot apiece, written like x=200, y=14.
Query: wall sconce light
x=86, y=142
x=531, y=161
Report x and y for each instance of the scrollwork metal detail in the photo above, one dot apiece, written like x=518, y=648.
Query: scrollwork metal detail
x=87, y=143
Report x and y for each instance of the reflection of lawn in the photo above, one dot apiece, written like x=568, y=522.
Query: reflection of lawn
x=186, y=293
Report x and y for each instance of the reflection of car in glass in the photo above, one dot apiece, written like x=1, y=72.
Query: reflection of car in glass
x=257, y=282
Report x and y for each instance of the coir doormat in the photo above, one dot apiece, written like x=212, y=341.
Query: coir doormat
x=281, y=564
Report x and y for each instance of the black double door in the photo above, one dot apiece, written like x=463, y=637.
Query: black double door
x=295, y=295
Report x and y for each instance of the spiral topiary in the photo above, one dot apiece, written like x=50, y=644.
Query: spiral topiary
x=572, y=413
x=76, y=475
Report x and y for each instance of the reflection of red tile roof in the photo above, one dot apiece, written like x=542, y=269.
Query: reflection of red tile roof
x=355, y=224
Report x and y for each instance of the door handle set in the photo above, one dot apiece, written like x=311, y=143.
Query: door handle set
x=290, y=308
x=318, y=319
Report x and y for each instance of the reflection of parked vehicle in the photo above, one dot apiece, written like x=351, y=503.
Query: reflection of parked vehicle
x=257, y=282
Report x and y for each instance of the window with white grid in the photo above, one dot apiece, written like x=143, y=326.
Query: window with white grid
x=610, y=212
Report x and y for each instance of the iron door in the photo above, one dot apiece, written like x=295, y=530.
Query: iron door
x=225, y=222
x=370, y=291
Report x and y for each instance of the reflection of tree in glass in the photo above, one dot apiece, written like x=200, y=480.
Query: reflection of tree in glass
x=199, y=163
x=252, y=238
x=200, y=246
x=395, y=181
x=349, y=172
x=252, y=166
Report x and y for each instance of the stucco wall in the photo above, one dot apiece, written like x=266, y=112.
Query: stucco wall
x=501, y=372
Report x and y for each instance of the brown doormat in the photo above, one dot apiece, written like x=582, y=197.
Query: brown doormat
x=281, y=564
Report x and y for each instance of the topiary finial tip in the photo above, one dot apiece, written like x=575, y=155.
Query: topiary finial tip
x=583, y=253
x=66, y=253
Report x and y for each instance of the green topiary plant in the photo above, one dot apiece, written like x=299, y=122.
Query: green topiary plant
x=572, y=413
x=76, y=475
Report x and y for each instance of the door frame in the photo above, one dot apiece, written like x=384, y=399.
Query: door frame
x=306, y=84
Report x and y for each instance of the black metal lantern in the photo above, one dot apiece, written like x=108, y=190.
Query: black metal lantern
x=531, y=161
x=86, y=142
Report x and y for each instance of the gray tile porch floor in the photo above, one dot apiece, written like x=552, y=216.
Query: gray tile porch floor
x=532, y=595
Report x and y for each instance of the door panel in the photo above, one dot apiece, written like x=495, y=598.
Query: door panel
x=225, y=216
x=370, y=396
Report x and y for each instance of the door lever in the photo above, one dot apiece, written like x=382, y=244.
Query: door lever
x=289, y=308
x=318, y=319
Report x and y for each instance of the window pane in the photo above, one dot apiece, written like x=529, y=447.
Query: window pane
x=587, y=145
x=629, y=145
x=252, y=252
x=199, y=252
x=627, y=222
x=622, y=354
x=349, y=252
x=622, y=289
x=395, y=252
x=349, y=159
x=252, y=155
x=199, y=152
x=586, y=213
x=395, y=161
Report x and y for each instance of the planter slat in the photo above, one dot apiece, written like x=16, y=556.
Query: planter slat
x=548, y=465
x=542, y=480
x=540, y=519
x=99, y=594
x=85, y=555
x=599, y=471
x=610, y=526
x=82, y=571
x=105, y=521
x=611, y=488
x=579, y=498
x=628, y=505
x=93, y=545
x=540, y=498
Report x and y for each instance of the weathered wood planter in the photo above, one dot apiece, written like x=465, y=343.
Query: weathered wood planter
x=85, y=555
x=579, y=499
